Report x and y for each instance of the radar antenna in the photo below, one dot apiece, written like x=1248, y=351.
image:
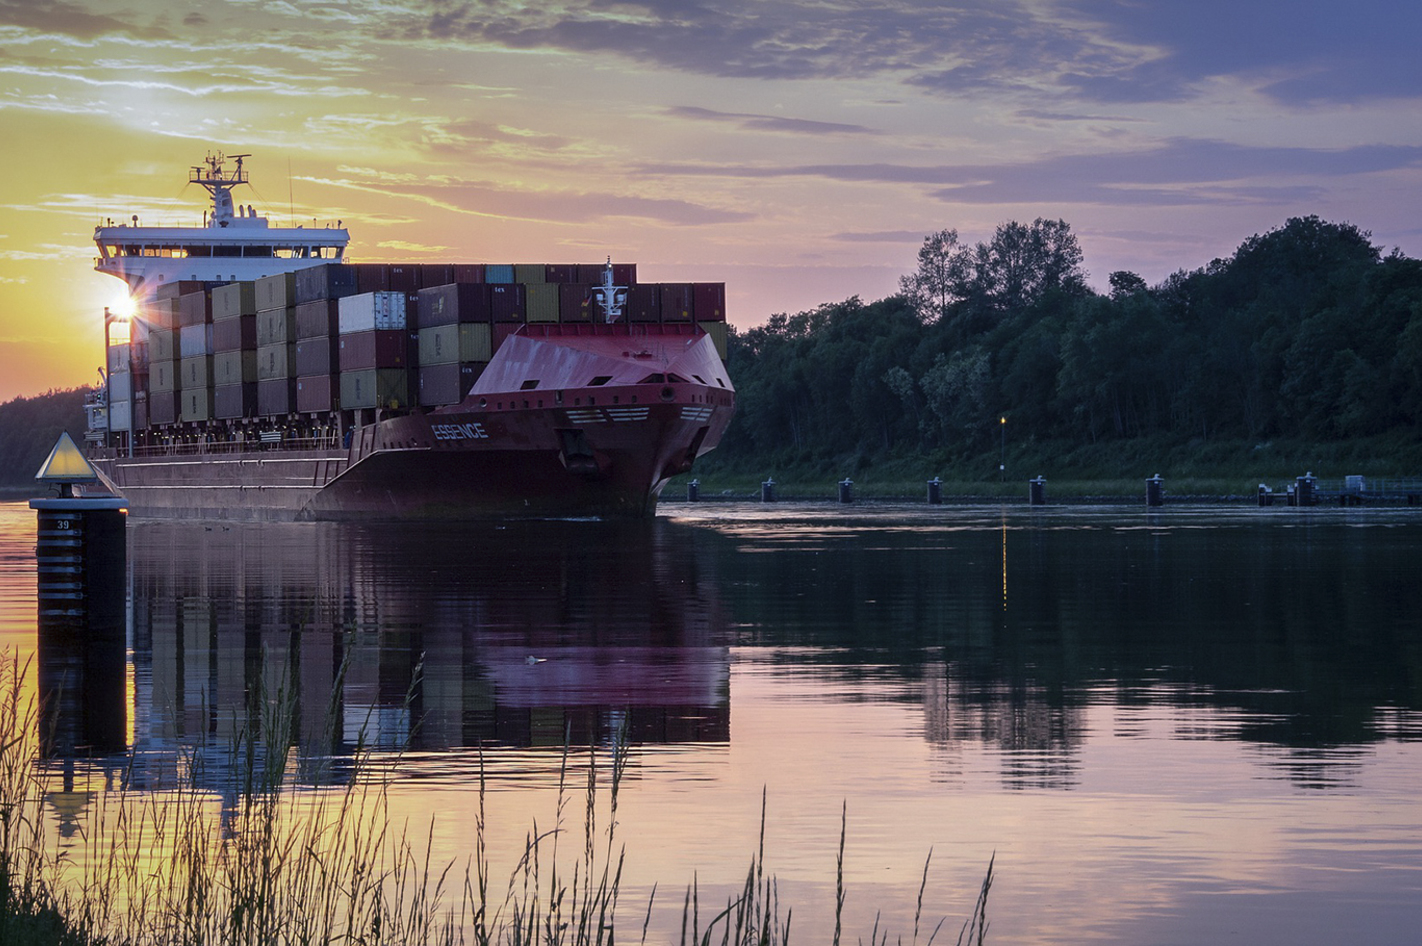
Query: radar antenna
x=219, y=182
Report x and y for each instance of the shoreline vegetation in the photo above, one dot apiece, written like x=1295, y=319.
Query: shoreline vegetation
x=281, y=861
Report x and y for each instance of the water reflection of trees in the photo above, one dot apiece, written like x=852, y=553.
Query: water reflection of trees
x=1300, y=630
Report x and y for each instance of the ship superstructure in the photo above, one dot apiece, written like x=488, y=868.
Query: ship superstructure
x=233, y=244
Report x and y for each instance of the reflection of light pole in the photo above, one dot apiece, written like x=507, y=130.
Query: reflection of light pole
x=1002, y=462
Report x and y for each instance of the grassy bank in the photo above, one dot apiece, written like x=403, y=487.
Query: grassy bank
x=280, y=863
x=1108, y=471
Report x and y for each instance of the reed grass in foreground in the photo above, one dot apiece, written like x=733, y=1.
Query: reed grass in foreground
x=293, y=865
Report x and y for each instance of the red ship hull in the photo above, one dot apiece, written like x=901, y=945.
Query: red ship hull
x=568, y=420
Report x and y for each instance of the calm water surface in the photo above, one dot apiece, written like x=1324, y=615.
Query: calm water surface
x=1191, y=725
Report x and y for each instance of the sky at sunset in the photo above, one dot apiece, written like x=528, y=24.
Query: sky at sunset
x=797, y=151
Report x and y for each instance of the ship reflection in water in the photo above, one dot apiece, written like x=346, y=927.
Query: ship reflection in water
x=419, y=639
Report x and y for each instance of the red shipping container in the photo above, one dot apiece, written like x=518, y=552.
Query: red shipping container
x=623, y=274
x=315, y=356
x=576, y=303
x=589, y=274
x=372, y=277
x=643, y=304
x=194, y=308
x=317, y=393
x=277, y=396
x=506, y=302
x=319, y=319
x=405, y=277
x=375, y=349
x=560, y=272
x=676, y=301
x=709, y=301
x=468, y=272
x=230, y=401
x=435, y=274
x=234, y=334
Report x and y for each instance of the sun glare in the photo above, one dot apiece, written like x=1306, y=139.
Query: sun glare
x=123, y=307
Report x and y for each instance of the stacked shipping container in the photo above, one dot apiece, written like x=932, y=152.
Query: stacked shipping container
x=359, y=336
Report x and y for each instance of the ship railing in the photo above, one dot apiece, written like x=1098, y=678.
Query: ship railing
x=228, y=447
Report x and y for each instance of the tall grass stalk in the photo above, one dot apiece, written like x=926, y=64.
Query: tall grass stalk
x=274, y=863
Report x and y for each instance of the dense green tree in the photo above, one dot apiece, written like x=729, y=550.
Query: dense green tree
x=29, y=426
x=1305, y=331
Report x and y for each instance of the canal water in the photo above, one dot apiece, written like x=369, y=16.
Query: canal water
x=1193, y=724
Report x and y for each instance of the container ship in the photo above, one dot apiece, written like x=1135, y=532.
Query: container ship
x=265, y=376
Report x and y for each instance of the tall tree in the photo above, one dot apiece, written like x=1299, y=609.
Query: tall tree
x=943, y=272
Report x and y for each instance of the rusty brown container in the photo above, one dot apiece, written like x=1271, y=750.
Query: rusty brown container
x=575, y=303
x=316, y=393
x=388, y=348
x=644, y=303
x=676, y=301
x=506, y=302
x=234, y=334
x=709, y=302
x=319, y=319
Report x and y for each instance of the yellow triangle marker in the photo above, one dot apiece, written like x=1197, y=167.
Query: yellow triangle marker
x=66, y=464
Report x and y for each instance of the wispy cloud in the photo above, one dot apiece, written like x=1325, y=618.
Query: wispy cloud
x=881, y=236
x=1179, y=171
x=485, y=200
x=772, y=123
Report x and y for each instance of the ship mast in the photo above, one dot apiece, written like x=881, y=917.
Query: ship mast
x=219, y=184
x=610, y=297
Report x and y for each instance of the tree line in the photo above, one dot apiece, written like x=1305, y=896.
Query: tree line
x=29, y=427
x=1307, y=332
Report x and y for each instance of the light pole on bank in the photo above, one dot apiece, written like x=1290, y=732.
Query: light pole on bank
x=1002, y=458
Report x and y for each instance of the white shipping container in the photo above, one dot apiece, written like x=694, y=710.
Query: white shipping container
x=120, y=385
x=120, y=415
x=194, y=340
x=370, y=311
x=118, y=358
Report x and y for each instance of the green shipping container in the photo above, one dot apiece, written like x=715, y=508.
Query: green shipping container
x=234, y=300
x=196, y=372
x=375, y=387
x=717, y=331
x=541, y=301
x=449, y=344
x=234, y=367
x=163, y=376
x=276, y=361
x=276, y=326
x=530, y=273
x=276, y=292
x=196, y=404
x=162, y=345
